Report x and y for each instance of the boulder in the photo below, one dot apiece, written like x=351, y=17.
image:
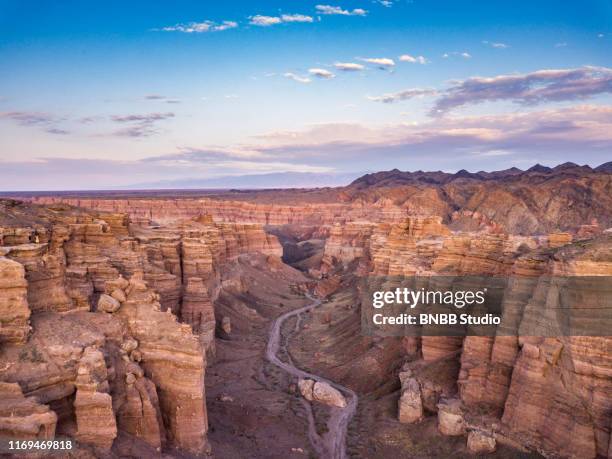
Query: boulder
x=480, y=442
x=107, y=303
x=450, y=417
x=410, y=408
x=226, y=324
x=326, y=394
x=306, y=386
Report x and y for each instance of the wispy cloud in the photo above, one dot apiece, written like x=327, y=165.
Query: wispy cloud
x=385, y=3
x=199, y=155
x=463, y=54
x=30, y=118
x=321, y=73
x=265, y=21
x=139, y=125
x=146, y=118
x=528, y=88
x=57, y=131
x=47, y=121
x=533, y=88
x=89, y=119
x=494, y=44
x=552, y=135
x=561, y=44
x=200, y=27
x=382, y=63
x=328, y=9
x=161, y=98
x=413, y=59
x=298, y=78
x=403, y=95
x=53, y=173
x=348, y=66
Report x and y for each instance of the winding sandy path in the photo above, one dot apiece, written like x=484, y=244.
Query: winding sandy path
x=332, y=444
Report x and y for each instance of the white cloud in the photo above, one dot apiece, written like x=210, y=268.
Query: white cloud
x=463, y=54
x=201, y=27
x=226, y=25
x=264, y=21
x=298, y=78
x=386, y=3
x=413, y=59
x=497, y=45
x=381, y=62
x=561, y=44
x=328, y=9
x=348, y=66
x=321, y=73
x=296, y=18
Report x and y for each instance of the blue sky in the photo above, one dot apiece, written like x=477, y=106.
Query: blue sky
x=97, y=95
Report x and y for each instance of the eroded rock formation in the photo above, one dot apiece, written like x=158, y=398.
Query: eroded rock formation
x=521, y=202
x=109, y=314
x=550, y=395
x=108, y=323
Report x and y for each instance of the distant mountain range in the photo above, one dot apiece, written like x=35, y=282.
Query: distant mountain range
x=396, y=177
x=319, y=180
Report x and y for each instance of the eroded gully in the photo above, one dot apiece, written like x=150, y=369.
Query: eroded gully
x=331, y=444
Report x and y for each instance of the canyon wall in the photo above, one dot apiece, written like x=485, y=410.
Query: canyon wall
x=548, y=394
x=106, y=325
x=239, y=212
x=567, y=198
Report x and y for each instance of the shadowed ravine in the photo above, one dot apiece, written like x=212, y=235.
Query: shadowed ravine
x=332, y=444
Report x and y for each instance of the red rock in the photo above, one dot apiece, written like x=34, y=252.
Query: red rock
x=14, y=309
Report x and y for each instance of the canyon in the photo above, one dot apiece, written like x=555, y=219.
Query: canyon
x=150, y=323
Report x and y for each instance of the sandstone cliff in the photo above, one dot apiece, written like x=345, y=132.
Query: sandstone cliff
x=107, y=323
x=547, y=394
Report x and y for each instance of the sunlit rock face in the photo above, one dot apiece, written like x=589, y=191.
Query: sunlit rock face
x=519, y=381
x=14, y=308
x=108, y=323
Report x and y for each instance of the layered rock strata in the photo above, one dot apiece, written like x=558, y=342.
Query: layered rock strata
x=23, y=417
x=108, y=322
x=567, y=197
x=547, y=394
